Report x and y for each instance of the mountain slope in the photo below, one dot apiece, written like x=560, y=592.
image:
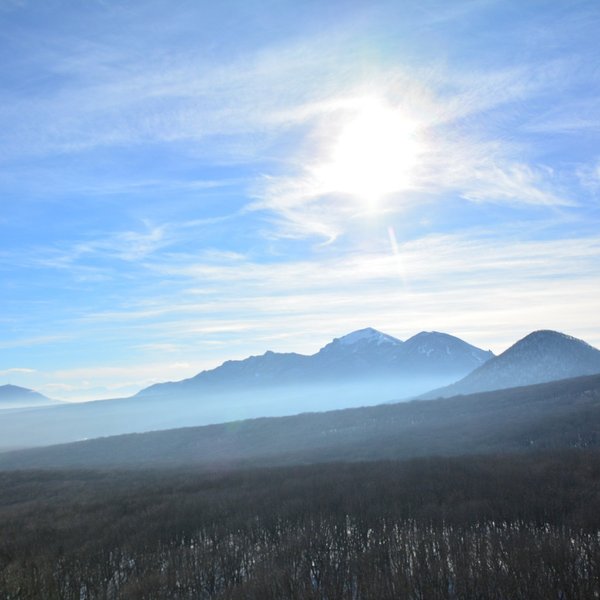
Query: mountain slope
x=442, y=352
x=552, y=415
x=539, y=357
x=13, y=396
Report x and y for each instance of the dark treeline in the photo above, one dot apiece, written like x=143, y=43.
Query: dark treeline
x=519, y=526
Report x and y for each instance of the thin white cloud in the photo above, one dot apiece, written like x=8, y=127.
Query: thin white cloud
x=237, y=294
x=512, y=183
x=129, y=245
x=125, y=245
x=15, y=371
x=40, y=340
x=116, y=99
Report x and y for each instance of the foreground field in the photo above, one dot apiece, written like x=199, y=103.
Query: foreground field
x=493, y=527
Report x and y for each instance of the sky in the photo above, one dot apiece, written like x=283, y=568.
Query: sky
x=187, y=182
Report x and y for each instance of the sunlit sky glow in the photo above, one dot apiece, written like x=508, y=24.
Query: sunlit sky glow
x=184, y=183
x=373, y=154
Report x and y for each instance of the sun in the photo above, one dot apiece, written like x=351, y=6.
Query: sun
x=373, y=155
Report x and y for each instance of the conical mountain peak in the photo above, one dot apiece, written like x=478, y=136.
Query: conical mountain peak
x=539, y=357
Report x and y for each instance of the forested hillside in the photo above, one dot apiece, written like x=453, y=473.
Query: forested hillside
x=521, y=526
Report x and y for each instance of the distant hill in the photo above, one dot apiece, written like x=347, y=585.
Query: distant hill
x=539, y=357
x=363, y=355
x=13, y=396
x=562, y=414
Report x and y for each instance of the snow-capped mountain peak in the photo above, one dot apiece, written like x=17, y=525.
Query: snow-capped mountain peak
x=366, y=355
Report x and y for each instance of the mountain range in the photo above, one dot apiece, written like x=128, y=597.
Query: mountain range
x=363, y=355
x=363, y=368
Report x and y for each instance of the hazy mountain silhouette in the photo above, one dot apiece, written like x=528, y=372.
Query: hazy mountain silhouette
x=13, y=396
x=539, y=357
x=363, y=368
x=361, y=355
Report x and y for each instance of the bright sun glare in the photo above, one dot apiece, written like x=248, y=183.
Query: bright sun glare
x=374, y=154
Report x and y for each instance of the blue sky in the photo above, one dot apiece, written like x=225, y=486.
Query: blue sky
x=187, y=182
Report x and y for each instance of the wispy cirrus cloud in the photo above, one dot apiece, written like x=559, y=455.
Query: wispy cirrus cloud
x=458, y=156
x=439, y=265
x=41, y=340
x=109, y=97
x=127, y=246
x=16, y=371
x=104, y=95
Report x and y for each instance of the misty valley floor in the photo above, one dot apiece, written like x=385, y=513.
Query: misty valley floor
x=511, y=526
